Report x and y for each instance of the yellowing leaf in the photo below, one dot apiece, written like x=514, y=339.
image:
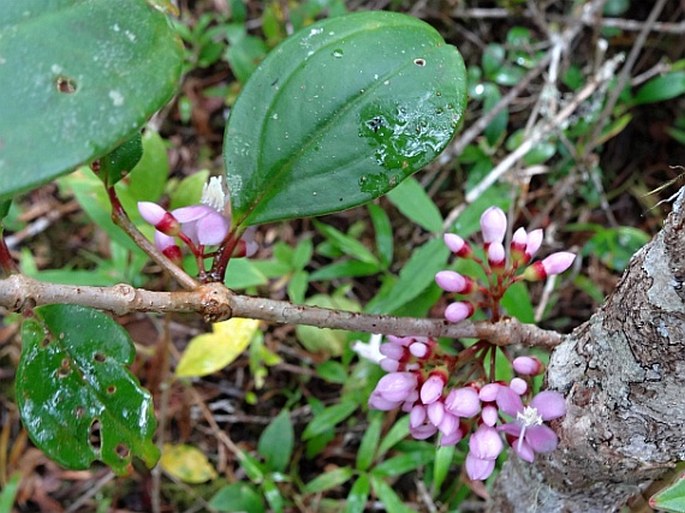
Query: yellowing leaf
x=211, y=352
x=186, y=463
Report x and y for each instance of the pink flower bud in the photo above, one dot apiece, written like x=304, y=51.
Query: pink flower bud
x=457, y=245
x=451, y=281
x=496, y=255
x=556, y=263
x=485, y=443
x=519, y=240
x=489, y=392
x=451, y=438
x=527, y=365
x=463, y=402
x=431, y=390
x=419, y=349
x=478, y=469
x=402, y=341
x=393, y=351
x=533, y=243
x=449, y=424
x=457, y=312
x=417, y=416
x=389, y=365
x=162, y=220
x=378, y=402
x=436, y=412
x=489, y=415
x=518, y=385
x=167, y=245
x=423, y=431
x=396, y=386
x=493, y=224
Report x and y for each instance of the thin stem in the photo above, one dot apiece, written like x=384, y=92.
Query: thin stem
x=225, y=252
x=121, y=219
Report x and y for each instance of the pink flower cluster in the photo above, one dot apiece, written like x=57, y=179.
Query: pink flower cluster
x=197, y=226
x=501, y=269
x=436, y=407
x=454, y=396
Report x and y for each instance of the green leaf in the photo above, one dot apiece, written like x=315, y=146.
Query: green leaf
x=329, y=418
x=369, y=443
x=516, y=302
x=148, y=179
x=388, y=497
x=276, y=442
x=661, y=88
x=339, y=114
x=346, y=244
x=4, y=208
x=359, y=493
x=77, y=79
x=398, y=432
x=329, y=480
x=121, y=160
x=384, y=236
x=497, y=127
x=672, y=498
x=615, y=246
x=442, y=464
x=415, y=204
x=273, y=496
x=237, y=497
x=403, y=463
x=417, y=274
x=88, y=405
x=9, y=492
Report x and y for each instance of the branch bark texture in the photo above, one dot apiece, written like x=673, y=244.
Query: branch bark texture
x=216, y=303
x=623, y=374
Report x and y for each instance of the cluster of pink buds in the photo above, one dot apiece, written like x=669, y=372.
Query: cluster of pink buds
x=502, y=270
x=206, y=224
x=453, y=395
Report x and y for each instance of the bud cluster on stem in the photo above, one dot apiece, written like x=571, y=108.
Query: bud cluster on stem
x=460, y=396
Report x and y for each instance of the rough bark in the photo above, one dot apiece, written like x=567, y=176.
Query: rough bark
x=623, y=375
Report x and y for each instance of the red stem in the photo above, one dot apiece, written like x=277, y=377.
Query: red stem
x=7, y=263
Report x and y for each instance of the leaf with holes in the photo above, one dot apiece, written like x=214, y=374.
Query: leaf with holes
x=77, y=79
x=77, y=399
x=341, y=113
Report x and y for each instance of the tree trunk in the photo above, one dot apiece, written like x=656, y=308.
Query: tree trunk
x=623, y=376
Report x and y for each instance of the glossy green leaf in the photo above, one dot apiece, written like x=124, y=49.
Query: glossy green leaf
x=237, y=497
x=277, y=441
x=149, y=177
x=329, y=480
x=120, y=161
x=88, y=405
x=615, y=246
x=672, y=498
x=4, y=208
x=359, y=493
x=77, y=79
x=411, y=199
x=340, y=113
